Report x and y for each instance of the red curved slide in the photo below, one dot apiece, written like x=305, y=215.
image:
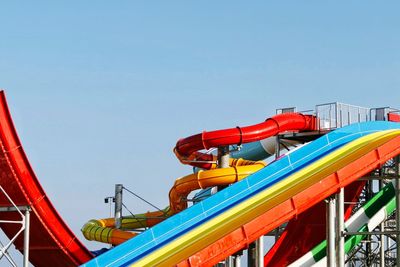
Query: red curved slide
x=188, y=148
x=52, y=243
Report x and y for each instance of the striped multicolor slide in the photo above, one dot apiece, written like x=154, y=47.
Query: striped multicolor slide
x=202, y=224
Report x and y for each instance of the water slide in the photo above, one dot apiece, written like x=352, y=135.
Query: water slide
x=258, y=143
x=334, y=162
x=103, y=230
x=375, y=211
x=291, y=246
x=293, y=207
x=283, y=189
x=52, y=243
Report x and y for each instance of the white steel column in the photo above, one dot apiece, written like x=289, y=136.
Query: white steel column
x=229, y=261
x=223, y=157
x=27, y=223
x=340, y=228
x=260, y=252
x=330, y=231
x=382, y=229
x=237, y=260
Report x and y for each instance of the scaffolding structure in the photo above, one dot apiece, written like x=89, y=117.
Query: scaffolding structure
x=24, y=213
x=380, y=245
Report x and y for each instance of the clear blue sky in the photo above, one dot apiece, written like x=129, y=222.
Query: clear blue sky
x=101, y=91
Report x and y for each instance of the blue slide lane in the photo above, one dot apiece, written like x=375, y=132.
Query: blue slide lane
x=183, y=222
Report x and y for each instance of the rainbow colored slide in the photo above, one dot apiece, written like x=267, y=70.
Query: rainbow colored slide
x=198, y=227
x=220, y=225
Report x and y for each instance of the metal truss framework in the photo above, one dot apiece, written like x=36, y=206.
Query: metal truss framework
x=379, y=248
x=24, y=212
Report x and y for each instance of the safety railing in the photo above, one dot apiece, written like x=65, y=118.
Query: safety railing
x=383, y=113
x=285, y=110
x=336, y=115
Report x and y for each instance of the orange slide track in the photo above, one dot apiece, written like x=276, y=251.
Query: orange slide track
x=52, y=243
x=242, y=237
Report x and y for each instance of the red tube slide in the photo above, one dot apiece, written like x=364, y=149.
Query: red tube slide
x=52, y=243
x=187, y=149
x=394, y=117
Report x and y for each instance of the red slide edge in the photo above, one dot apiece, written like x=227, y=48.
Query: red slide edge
x=52, y=243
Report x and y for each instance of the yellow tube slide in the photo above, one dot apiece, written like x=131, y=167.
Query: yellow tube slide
x=104, y=230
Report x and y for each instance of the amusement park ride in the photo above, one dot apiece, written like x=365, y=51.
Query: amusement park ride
x=328, y=195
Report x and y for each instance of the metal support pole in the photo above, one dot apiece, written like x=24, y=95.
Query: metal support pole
x=368, y=243
x=223, y=157
x=330, y=231
x=340, y=228
x=229, y=261
x=27, y=222
x=382, y=229
x=397, y=168
x=223, y=162
x=251, y=255
x=337, y=114
x=118, y=205
x=237, y=260
x=277, y=147
x=260, y=252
